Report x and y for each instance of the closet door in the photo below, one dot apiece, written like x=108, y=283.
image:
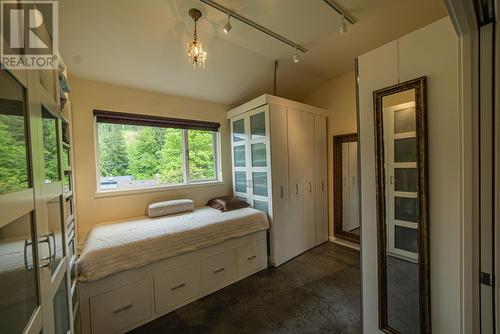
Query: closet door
x=353, y=185
x=320, y=175
x=307, y=179
x=281, y=227
x=295, y=243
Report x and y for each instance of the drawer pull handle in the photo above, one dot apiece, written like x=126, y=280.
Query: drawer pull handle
x=219, y=270
x=123, y=308
x=177, y=287
x=252, y=257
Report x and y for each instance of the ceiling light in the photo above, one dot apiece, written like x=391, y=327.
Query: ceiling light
x=194, y=49
x=227, y=26
x=296, y=57
x=343, y=25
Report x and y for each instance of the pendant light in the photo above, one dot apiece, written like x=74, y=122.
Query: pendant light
x=195, y=53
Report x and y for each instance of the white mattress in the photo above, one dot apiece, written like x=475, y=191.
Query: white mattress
x=119, y=246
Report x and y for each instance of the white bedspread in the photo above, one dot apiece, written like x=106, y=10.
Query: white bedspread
x=119, y=246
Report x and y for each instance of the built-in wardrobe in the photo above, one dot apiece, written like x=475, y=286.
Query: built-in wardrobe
x=37, y=226
x=280, y=167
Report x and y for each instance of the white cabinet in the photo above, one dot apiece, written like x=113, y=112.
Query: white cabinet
x=279, y=166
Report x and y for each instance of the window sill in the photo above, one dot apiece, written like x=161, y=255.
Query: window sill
x=126, y=192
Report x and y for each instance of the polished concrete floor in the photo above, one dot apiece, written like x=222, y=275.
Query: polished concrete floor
x=317, y=292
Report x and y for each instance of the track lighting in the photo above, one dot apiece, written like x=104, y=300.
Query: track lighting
x=343, y=25
x=227, y=26
x=296, y=58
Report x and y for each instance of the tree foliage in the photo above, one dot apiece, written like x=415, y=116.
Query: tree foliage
x=113, y=156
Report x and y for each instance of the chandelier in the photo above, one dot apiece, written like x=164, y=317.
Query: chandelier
x=194, y=49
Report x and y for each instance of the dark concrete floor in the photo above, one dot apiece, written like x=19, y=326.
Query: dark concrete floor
x=317, y=292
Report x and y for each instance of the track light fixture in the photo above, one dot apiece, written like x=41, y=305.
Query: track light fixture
x=227, y=26
x=343, y=25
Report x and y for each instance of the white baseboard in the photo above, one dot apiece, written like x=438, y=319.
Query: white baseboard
x=345, y=243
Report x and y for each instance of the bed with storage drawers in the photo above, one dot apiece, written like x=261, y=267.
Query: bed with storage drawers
x=134, y=271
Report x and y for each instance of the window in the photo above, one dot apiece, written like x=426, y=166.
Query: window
x=138, y=151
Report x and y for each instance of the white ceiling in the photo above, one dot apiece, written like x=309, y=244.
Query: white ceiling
x=142, y=43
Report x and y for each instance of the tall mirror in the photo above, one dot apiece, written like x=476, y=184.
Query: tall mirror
x=345, y=187
x=402, y=208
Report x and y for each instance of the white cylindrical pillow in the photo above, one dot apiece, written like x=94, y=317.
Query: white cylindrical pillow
x=170, y=207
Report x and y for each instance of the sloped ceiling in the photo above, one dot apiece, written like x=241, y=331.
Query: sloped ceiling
x=141, y=44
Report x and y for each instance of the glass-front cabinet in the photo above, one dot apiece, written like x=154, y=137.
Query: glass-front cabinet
x=33, y=264
x=251, y=158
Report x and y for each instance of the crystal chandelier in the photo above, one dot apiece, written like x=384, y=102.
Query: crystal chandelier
x=194, y=49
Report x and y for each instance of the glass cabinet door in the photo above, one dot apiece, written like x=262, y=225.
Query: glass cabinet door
x=402, y=210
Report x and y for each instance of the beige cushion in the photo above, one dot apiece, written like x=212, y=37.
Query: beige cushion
x=170, y=207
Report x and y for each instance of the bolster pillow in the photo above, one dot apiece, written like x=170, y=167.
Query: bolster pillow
x=170, y=207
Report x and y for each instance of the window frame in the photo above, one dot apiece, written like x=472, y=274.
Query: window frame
x=186, y=182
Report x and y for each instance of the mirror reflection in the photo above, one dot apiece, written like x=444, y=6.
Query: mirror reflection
x=346, y=187
x=402, y=208
x=400, y=146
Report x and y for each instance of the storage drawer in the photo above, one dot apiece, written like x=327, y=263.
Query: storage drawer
x=218, y=271
x=120, y=308
x=252, y=258
x=177, y=286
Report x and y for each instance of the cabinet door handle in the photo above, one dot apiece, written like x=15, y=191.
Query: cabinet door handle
x=354, y=180
x=322, y=186
x=345, y=181
x=27, y=266
x=252, y=257
x=123, y=308
x=296, y=189
x=46, y=239
x=219, y=270
x=281, y=191
x=390, y=179
x=310, y=187
x=177, y=287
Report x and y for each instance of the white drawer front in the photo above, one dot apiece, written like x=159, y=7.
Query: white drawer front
x=252, y=258
x=176, y=286
x=120, y=308
x=218, y=271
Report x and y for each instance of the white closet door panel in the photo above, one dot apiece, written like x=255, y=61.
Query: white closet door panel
x=295, y=244
x=307, y=180
x=320, y=152
x=353, y=185
x=281, y=225
x=346, y=211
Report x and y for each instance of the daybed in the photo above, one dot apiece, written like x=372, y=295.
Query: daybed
x=134, y=271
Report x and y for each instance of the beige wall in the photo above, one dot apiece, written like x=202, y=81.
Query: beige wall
x=90, y=95
x=338, y=97
x=432, y=51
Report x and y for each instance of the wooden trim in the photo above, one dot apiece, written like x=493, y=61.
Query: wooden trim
x=337, y=186
x=112, y=117
x=419, y=85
